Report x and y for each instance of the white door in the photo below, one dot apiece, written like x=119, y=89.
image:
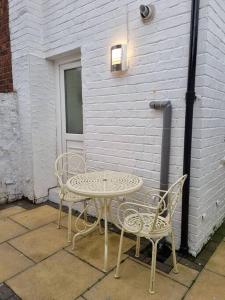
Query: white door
x=71, y=108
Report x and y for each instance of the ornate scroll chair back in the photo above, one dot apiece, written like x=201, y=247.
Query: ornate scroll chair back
x=68, y=165
x=174, y=196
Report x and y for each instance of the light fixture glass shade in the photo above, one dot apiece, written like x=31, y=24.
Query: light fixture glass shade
x=118, y=58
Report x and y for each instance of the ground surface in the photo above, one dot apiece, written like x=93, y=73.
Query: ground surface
x=36, y=263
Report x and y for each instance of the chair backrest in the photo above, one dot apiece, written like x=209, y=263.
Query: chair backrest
x=168, y=202
x=68, y=165
x=175, y=194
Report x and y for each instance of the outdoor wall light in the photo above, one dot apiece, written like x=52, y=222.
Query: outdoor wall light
x=119, y=58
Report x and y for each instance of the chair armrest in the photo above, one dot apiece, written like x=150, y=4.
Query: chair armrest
x=152, y=190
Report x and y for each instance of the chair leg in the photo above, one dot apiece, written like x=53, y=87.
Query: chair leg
x=138, y=242
x=175, y=269
x=59, y=214
x=70, y=223
x=153, y=266
x=117, y=275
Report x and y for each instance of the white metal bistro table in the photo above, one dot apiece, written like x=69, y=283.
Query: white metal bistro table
x=103, y=185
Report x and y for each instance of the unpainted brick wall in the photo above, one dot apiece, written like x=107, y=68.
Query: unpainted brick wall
x=6, y=82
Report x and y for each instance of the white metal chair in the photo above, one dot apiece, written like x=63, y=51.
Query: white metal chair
x=68, y=165
x=152, y=221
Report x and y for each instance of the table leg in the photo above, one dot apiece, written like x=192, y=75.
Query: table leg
x=106, y=236
x=90, y=227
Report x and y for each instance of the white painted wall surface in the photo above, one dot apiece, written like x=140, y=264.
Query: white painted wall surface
x=120, y=131
x=10, y=149
x=211, y=150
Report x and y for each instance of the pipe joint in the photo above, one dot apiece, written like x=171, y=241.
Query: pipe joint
x=190, y=96
x=160, y=104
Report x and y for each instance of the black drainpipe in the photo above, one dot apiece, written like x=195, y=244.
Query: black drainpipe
x=190, y=99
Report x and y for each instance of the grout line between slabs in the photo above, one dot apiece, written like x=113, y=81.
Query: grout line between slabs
x=29, y=230
x=190, y=287
x=9, y=217
x=84, y=261
x=211, y=271
x=35, y=263
x=32, y=229
x=21, y=252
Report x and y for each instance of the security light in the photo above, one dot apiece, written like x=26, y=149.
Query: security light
x=119, y=58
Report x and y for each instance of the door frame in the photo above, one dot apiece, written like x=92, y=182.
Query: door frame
x=60, y=66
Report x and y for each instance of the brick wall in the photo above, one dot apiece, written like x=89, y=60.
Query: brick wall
x=212, y=126
x=10, y=162
x=6, y=82
x=120, y=131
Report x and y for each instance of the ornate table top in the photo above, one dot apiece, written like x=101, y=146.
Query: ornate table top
x=104, y=184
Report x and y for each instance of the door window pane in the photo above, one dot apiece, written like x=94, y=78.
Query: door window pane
x=73, y=98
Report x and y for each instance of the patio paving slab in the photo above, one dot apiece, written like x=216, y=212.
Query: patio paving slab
x=185, y=276
x=208, y=286
x=134, y=284
x=64, y=222
x=11, y=262
x=42, y=242
x=10, y=229
x=91, y=249
x=37, y=217
x=6, y=212
x=61, y=276
x=217, y=261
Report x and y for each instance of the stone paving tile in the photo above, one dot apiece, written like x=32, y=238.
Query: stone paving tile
x=217, y=261
x=134, y=284
x=10, y=229
x=42, y=242
x=60, y=277
x=37, y=217
x=64, y=223
x=186, y=275
x=6, y=212
x=208, y=286
x=91, y=249
x=11, y=262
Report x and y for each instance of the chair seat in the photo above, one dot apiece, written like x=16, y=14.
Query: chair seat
x=72, y=197
x=132, y=223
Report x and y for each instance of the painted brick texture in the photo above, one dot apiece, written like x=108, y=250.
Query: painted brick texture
x=10, y=151
x=212, y=127
x=120, y=131
x=6, y=82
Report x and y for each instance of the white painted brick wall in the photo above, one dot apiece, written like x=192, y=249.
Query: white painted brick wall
x=120, y=130
x=212, y=127
x=10, y=150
